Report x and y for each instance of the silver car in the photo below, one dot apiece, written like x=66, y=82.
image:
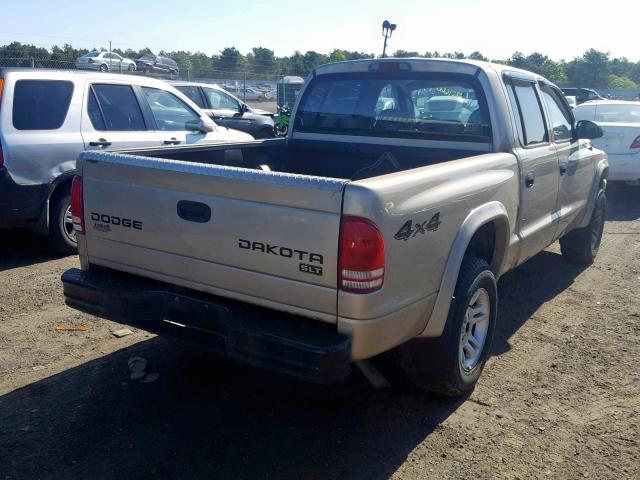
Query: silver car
x=105, y=62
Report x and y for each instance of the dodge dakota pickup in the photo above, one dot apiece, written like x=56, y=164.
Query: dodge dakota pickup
x=375, y=230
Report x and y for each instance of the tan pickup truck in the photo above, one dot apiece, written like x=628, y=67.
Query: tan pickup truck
x=375, y=230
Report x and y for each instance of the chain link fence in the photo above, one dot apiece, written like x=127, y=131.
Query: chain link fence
x=255, y=89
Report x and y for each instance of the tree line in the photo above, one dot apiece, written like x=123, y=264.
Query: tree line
x=593, y=69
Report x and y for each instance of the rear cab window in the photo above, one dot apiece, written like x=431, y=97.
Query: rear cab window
x=411, y=105
x=41, y=104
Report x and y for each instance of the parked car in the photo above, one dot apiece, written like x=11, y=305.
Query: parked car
x=227, y=110
x=582, y=94
x=251, y=94
x=48, y=117
x=357, y=235
x=620, y=121
x=105, y=62
x=158, y=65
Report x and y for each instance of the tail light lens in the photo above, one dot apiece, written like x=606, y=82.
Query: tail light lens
x=91, y=60
x=361, y=268
x=77, y=205
x=636, y=143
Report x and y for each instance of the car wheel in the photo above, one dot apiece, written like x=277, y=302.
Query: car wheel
x=104, y=68
x=452, y=363
x=580, y=246
x=131, y=67
x=62, y=236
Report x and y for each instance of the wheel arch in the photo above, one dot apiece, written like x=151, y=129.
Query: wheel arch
x=484, y=232
x=599, y=183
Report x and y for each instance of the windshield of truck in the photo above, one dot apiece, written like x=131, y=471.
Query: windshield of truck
x=410, y=105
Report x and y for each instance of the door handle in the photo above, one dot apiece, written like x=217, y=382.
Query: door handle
x=100, y=143
x=563, y=168
x=173, y=141
x=529, y=180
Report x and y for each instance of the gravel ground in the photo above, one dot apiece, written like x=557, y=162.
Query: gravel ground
x=560, y=397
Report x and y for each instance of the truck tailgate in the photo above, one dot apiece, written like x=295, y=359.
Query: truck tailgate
x=263, y=237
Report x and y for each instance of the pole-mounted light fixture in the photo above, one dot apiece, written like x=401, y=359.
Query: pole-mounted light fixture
x=387, y=31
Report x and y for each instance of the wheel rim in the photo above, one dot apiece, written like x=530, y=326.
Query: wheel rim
x=67, y=226
x=598, y=227
x=475, y=326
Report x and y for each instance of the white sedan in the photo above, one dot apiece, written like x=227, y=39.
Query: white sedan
x=620, y=121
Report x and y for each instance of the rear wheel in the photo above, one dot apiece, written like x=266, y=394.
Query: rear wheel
x=131, y=67
x=452, y=363
x=104, y=68
x=62, y=236
x=580, y=246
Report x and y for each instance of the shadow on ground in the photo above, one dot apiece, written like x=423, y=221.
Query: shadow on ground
x=19, y=248
x=623, y=202
x=214, y=419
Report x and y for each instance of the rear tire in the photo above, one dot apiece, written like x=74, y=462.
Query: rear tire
x=61, y=233
x=131, y=67
x=580, y=246
x=452, y=363
x=104, y=68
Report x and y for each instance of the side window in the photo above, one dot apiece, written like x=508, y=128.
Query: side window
x=169, y=111
x=561, y=121
x=41, y=104
x=95, y=114
x=193, y=94
x=220, y=101
x=119, y=108
x=530, y=110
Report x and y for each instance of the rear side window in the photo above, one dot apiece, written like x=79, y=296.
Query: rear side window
x=193, y=94
x=220, y=101
x=530, y=112
x=41, y=104
x=117, y=106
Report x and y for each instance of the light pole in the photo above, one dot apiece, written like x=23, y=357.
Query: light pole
x=387, y=31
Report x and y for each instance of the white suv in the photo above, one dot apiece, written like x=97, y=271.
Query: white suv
x=48, y=117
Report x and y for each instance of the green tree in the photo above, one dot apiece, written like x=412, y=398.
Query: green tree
x=231, y=60
x=621, y=83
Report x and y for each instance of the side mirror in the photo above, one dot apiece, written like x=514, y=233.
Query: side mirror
x=588, y=130
x=243, y=108
x=202, y=125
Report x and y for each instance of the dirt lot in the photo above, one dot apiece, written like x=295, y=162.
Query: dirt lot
x=559, y=399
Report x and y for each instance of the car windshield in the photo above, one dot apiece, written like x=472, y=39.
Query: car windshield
x=406, y=105
x=617, y=113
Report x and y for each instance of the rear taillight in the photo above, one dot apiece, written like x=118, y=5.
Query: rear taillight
x=636, y=143
x=1, y=87
x=77, y=205
x=361, y=268
x=91, y=60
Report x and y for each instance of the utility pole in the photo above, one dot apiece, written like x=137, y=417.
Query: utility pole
x=387, y=31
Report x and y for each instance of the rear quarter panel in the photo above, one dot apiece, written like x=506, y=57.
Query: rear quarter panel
x=443, y=194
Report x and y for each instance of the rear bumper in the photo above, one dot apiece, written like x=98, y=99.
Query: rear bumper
x=283, y=343
x=19, y=203
x=624, y=168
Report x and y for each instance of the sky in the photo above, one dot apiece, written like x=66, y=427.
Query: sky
x=561, y=29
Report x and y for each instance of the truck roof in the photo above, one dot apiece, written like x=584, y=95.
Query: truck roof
x=425, y=64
